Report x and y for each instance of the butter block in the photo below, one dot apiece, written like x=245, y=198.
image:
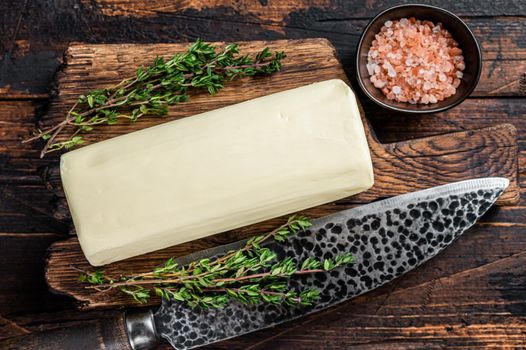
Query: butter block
x=216, y=171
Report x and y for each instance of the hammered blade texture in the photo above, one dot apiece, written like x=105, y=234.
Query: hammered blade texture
x=387, y=239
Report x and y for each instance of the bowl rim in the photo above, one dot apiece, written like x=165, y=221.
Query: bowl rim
x=431, y=110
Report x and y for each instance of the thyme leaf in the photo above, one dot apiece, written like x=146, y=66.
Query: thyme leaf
x=153, y=89
x=252, y=274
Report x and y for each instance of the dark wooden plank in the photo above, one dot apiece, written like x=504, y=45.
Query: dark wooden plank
x=19, y=162
x=426, y=162
x=30, y=209
x=472, y=113
x=9, y=329
x=26, y=205
x=36, y=321
x=99, y=334
x=279, y=11
x=23, y=286
x=26, y=221
x=35, y=51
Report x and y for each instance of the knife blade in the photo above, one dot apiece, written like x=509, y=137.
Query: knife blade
x=387, y=238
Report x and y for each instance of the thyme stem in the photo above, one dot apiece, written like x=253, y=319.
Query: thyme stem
x=153, y=89
x=253, y=273
x=182, y=279
x=264, y=292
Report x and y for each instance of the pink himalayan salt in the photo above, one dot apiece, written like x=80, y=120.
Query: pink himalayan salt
x=415, y=61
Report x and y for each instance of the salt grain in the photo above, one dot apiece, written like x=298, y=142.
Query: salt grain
x=425, y=99
x=427, y=86
x=415, y=61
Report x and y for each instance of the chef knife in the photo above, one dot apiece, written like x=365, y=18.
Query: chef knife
x=387, y=239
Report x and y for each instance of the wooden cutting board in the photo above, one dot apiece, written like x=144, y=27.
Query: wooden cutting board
x=399, y=167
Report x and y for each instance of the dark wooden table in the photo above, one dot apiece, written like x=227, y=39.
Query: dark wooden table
x=471, y=296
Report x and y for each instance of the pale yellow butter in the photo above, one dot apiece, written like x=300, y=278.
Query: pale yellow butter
x=216, y=171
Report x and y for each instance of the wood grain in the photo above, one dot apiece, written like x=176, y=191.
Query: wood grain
x=278, y=11
x=471, y=114
x=10, y=329
x=400, y=167
x=492, y=316
x=108, y=334
x=50, y=26
x=26, y=289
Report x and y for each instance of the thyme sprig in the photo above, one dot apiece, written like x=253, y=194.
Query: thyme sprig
x=154, y=88
x=253, y=274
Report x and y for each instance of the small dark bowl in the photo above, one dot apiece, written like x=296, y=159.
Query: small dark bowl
x=460, y=32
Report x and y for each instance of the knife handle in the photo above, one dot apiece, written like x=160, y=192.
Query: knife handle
x=125, y=332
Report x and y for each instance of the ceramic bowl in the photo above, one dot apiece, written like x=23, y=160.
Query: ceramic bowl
x=460, y=32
